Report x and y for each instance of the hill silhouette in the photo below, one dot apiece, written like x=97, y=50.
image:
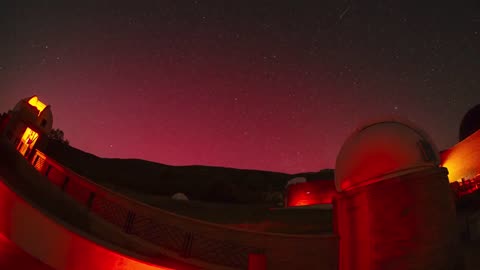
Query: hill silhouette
x=206, y=183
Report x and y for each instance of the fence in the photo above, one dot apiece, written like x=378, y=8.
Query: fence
x=101, y=202
x=465, y=186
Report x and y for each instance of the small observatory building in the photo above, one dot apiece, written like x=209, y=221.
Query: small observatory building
x=27, y=125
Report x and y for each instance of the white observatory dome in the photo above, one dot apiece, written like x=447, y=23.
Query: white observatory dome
x=296, y=180
x=383, y=150
x=180, y=197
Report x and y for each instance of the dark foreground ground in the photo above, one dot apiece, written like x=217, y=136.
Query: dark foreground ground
x=472, y=255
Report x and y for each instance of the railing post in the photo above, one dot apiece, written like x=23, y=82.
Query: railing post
x=90, y=200
x=257, y=261
x=49, y=167
x=187, y=245
x=129, y=222
x=35, y=161
x=65, y=182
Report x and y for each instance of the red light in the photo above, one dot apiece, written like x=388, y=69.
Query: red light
x=310, y=193
x=66, y=249
x=12, y=257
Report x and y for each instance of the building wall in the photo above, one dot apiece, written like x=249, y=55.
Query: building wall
x=463, y=159
x=311, y=193
x=405, y=222
x=54, y=244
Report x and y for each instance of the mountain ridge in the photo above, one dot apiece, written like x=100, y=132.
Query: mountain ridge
x=215, y=183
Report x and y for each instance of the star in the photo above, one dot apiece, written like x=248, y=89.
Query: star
x=201, y=75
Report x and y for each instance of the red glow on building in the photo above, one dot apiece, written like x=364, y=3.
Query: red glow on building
x=380, y=151
x=12, y=257
x=310, y=193
x=462, y=159
x=463, y=167
x=66, y=248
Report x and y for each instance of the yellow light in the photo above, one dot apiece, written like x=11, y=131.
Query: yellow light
x=29, y=139
x=37, y=104
x=463, y=160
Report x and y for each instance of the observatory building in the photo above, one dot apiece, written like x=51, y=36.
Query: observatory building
x=27, y=125
x=301, y=192
x=392, y=196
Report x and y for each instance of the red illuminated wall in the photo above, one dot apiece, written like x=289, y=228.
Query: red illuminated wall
x=406, y=222
x=215, y=246
x=310, y=193
x=54, y=244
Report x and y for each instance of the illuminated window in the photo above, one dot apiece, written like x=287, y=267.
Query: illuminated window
x=28, y=140
x=37, y=104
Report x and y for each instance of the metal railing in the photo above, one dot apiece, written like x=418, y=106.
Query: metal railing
x=187, y=244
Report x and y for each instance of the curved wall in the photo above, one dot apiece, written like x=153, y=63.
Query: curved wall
x=405, y=222
x=195, y=242
x=52, y=243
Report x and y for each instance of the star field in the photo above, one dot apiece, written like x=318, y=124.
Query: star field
x=271, y=86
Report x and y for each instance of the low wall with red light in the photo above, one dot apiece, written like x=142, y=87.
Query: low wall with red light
x=310, y=193
x=52, y=243
x=187, y=239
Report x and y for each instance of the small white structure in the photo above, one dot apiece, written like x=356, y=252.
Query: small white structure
x=295, y=180
x=180, y=197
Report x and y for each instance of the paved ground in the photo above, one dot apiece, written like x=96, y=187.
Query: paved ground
x=471, y=253
x=12, y=257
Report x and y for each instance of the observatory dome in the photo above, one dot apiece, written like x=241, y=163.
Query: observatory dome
x=35, y=111
x=470, y=123
x=296, y=180
x=383, y=150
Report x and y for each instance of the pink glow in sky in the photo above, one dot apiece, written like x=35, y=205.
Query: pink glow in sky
x=262, y=87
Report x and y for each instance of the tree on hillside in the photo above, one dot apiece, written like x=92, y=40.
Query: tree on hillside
x=58, y=135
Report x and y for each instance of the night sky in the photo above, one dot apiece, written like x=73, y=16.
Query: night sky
x=270, y=86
